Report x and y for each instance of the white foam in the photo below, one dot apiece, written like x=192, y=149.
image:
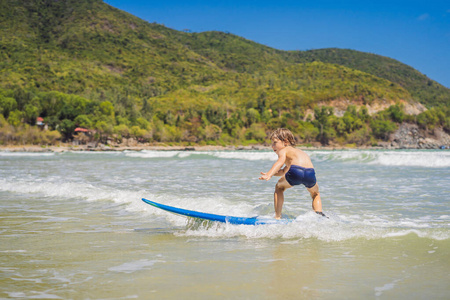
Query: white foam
x=30, y=154
x=413, y=158
x=416, y=158
x=132, y=198
x=306, y=225
x=70, y=190
x=244, y=155
x=134, y=266
x=379, y=290
x=33, y=295
x=310, y=225
x=87, y=152
x=152, y=154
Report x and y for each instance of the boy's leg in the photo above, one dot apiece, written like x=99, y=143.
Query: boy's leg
x=278, y=196
x=315, y=195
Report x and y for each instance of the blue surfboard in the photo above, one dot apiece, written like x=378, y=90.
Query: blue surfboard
x=218, y=218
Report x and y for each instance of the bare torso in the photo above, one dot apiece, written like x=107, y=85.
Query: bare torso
x=297, y=157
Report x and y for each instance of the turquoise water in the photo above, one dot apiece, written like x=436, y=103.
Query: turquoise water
x=73, y=227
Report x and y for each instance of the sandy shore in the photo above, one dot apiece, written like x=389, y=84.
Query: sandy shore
x=68, y=147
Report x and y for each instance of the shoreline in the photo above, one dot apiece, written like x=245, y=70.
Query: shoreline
x=67, y=147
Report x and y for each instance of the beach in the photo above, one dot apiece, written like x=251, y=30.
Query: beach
x=65, y=147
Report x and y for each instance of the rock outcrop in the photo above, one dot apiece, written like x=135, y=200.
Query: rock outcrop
x=410, y=136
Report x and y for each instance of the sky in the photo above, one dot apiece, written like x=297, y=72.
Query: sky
x=413, y=32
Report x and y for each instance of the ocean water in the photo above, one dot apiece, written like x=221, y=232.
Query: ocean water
x=72, y=226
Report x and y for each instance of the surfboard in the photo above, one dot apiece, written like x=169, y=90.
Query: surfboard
x=218, y=218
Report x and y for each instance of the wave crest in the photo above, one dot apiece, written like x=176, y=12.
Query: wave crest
x=430, y=159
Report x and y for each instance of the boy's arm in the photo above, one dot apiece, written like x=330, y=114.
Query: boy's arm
x=276, y=168
x=281, y=172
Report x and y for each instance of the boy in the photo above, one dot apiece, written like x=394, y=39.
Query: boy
x=298, y=170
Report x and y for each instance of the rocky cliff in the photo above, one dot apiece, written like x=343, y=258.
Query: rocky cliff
x=411, y=136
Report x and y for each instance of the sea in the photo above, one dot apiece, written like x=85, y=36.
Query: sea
x=73, y=226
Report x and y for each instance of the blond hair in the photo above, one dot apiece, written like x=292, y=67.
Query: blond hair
x=284, y=135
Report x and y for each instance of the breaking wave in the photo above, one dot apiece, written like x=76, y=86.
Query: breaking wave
x=306, y=225
x=415, y=158
x=406, y=158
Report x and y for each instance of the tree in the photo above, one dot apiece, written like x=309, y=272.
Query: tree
x=52, y=136
x=66, y=128
x=363, y=114
x=31, y=114
x=51, y=103
x=72, y=107
x=396, y=113
x=212, y=132
x=146, y=108
x=382, y=128
x=215, y=115
x=143, y=123
x=7, y=105
x=107, y=109
x=253, y=116
x=83, y=121
x=256, y=132
x=322, y=122
x=15, y=118
x=428, y=119
x=138, y=132
x=103, y=128
x=308, y=132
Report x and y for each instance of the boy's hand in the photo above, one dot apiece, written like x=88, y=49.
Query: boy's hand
x=264, y=176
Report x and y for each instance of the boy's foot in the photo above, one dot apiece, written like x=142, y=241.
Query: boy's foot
x=322, y=214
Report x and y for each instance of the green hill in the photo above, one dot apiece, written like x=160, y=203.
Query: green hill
x=81, y=46
x=85, y=63
x=235, y=53
x=231, y=52
x=422, y=88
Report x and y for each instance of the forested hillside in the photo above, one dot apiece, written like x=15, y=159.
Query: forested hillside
x=86, y=64
x=233, y=52
x=422, y=88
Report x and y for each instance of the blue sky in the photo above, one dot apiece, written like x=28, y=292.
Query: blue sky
x=416, y=33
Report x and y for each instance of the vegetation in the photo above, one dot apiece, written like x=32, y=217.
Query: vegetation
x=86, y=64
x=181, y=122
x=421, y=88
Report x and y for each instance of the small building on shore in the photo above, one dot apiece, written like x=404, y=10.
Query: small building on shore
x=82, y=136
x=40, y=123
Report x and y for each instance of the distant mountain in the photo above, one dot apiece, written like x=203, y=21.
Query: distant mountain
x=422, y=88
x=236, y=53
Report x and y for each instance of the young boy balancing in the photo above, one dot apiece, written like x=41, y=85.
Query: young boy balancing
x=298, y=170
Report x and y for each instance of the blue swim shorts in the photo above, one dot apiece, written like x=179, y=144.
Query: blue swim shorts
x=299, y=175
